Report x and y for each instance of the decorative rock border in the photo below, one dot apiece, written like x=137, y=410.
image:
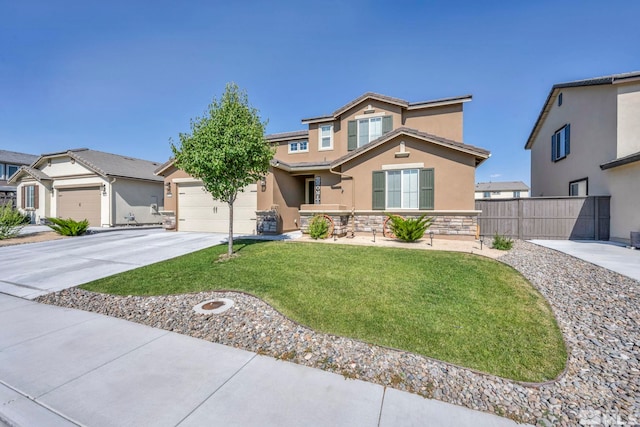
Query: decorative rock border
x=596, y=309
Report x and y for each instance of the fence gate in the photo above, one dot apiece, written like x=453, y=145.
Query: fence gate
x=558, y=218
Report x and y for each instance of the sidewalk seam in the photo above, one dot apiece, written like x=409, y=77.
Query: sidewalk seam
x=384, y=393
x=216, y=390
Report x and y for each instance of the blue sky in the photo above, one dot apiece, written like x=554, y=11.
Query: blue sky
x=124, y=77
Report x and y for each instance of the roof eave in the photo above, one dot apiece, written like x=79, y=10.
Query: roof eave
x=632, y=158
x=440, y=102
x=164, y=167
x=322, y=119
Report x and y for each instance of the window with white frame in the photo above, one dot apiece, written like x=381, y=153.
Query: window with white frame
x=486, y=194
x=369, y=129
x=516, y=194
x=30, y=196
x=325, y=137
x=402, y=189
x=298, y=147
x=560, y=143
x=11, y=169
x=2, y=172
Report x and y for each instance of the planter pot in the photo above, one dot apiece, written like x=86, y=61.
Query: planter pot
x=635, y=239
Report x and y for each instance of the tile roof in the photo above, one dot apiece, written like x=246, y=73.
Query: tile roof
x=480, y=153
x=15, y=158
x=285, y=136
x=107, y=164
x=595, y=81
x=300, y=166
x=34, y=172
x=391, y=100
x=502, y=186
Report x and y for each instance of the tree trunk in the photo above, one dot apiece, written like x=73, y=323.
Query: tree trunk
x=230, y=248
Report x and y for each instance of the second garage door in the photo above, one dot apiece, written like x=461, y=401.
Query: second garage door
x=197, y=211
x=80, y=203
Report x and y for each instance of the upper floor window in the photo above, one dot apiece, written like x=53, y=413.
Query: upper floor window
x=2, y=172
x=368, y=130
x=560, y=143
x=486, y=194
x=326, y=137
x=560, y=99
x=298, y=147
x=11, y=169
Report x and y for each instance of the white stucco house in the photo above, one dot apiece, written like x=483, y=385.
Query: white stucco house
x=106, y=189
x=586, y=141
x=501, y=190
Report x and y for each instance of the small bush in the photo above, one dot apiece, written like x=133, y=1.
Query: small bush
x=409, y=230
x=11, y=221
x=319, y=227
x=68, y=227
x=501, y=243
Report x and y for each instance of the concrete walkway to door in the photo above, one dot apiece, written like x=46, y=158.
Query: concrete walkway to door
x=613, y=256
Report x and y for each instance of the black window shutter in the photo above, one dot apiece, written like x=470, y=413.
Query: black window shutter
x=387, y=124
x=567, y=134
x=35, y=197
x=426, y=189
x=553, y=147
x=352, y=135
x=22, y=191
x=378, y=185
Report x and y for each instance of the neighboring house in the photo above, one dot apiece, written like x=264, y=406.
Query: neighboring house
x=501, y=190
x=195, y=210
x=372, y=156
x=10, y=162
x=106, y=189
x=586, y=141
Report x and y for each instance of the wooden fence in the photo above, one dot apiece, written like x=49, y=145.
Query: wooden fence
x=558, y=218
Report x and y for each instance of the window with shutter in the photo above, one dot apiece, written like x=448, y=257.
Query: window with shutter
x=560, y=143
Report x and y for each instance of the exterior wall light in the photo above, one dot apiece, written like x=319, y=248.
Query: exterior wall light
x=104, y=189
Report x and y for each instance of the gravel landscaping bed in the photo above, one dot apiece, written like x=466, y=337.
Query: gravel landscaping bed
x=597, y=311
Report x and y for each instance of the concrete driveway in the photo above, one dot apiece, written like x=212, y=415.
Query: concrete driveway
x=36, y=269
x=612, y=256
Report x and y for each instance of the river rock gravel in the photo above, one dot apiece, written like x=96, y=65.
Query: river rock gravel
x=596, y=309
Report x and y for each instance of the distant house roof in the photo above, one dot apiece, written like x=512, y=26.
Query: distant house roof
x=631, y=158
x=107, y=164
x=479, y=153
x=16, y=158
x=502, y=186
x=390, y=100
x=287, y=136
x=596, y=81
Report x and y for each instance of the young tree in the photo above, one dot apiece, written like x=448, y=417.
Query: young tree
x=226, y=149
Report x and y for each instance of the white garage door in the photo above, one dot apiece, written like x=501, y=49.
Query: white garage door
x=197, y=211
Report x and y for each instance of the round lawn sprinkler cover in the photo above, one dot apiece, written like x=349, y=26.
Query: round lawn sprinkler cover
x=214, y=306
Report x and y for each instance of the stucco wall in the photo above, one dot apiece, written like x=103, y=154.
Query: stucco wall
x=454, y=173
x=64, y=166
x=625, y=205
x=628, y=119
x=592, y=114
x=136, y=197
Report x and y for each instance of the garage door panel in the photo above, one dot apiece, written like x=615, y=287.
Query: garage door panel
x=79, y=204
x=197, y=211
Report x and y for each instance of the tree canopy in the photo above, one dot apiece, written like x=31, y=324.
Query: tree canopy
x=226, y=148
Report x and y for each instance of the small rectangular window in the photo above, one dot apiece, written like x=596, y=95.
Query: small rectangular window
x=486, y=194
x=516, y=194
x=560, y=143
x=298, y=147
x=326, y=137
x=11, y=169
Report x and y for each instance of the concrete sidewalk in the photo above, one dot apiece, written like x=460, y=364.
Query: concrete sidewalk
x=61, y=367
x=613, y=256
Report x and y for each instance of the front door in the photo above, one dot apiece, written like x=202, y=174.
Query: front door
x=309, y=191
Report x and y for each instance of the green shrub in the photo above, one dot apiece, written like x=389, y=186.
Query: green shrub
x=11, y=221
x=409, y=230
x=319, y=227
x=502, y=243
x=68, y=227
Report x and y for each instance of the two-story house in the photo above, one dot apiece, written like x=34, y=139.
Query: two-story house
x=373, y=156
x=501, y=190
x=586, y=141
x=10, y=162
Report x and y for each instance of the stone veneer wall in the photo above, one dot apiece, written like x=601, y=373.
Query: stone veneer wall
x=444, y=224
x=268, y=222
x=340, y=222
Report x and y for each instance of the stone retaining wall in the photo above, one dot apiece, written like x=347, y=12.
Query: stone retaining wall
x=340, y=222
x=268, y=222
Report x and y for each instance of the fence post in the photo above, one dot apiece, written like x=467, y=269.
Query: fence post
x=596, y=218
x=520, y=213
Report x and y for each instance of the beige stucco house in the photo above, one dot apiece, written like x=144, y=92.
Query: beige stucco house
x=372, y=156
x=501, y=190
x=106, y=189
x=586, y=141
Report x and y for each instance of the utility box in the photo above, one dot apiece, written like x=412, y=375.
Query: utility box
x=168, y=220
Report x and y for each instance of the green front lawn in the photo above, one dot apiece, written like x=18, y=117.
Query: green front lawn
x=460, y=308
